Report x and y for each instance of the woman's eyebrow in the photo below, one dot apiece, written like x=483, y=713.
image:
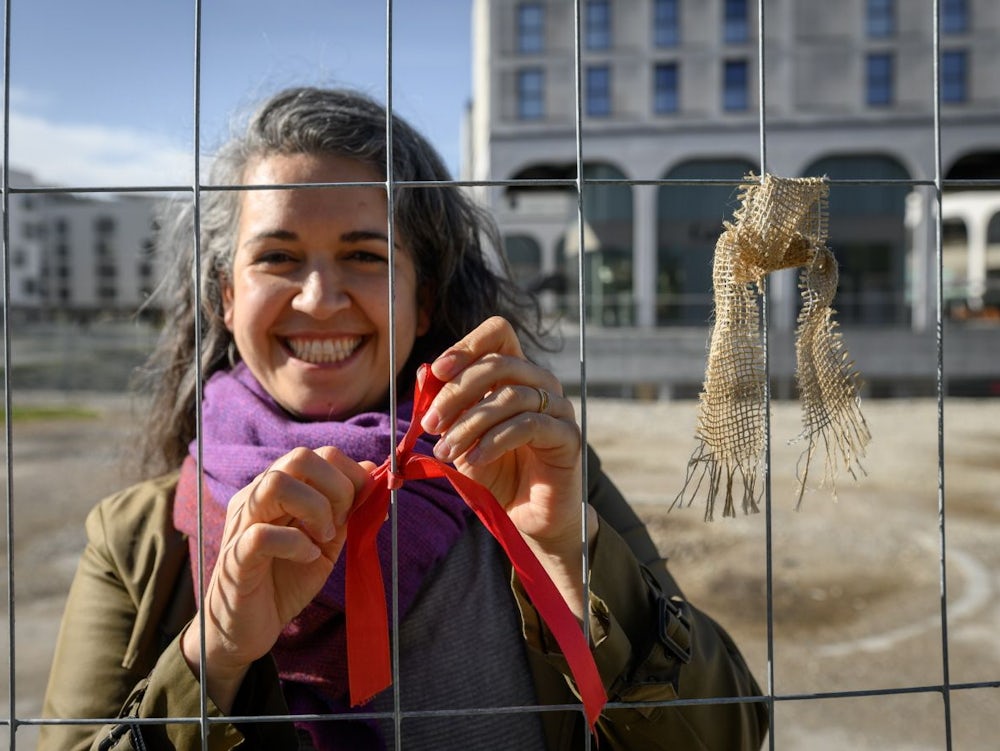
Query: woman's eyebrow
x=353, y=236
x=273, y=234
x=360, y=235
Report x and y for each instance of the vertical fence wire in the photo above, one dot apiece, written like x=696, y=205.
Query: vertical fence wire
x=581, y=304
x=940, y=373
x=765, y=287
x=7, y=395
x=390, y=191
x=196, y=273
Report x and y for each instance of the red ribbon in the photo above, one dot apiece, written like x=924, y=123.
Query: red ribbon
x=367, y=621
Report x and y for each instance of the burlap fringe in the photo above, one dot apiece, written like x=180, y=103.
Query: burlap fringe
x=781, y=223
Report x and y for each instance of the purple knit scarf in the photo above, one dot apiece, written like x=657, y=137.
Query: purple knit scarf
x=244, y=432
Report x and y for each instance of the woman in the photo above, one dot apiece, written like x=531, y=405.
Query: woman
x=296, y=360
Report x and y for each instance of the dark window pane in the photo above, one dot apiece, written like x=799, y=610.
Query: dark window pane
x=531, y=94
x=530, y=28
x=879, y=79
x=736, y=24
x=598, y=91
x=666, y=96
x=666, y=23
x=598, y=25
x=734, y=89
x=880, y=19
x=954, y=16
x=954, y=74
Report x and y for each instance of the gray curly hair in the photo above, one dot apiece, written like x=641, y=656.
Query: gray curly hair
x=455, y=247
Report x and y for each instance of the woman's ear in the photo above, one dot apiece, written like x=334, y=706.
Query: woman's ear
x=226, y=288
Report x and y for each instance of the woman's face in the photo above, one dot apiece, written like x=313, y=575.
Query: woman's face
x=308, y=300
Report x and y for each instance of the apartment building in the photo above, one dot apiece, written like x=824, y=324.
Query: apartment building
x=78, y=257
x=670, y=120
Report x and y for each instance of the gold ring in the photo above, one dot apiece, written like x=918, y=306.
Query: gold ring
x=543, y=400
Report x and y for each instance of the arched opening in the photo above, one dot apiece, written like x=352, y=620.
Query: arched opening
x=689, y=221
x=868, y=237
x=978, y=165
x=524, y=256
x=607, y=242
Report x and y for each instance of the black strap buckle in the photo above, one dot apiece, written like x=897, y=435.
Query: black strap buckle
x=674, y=628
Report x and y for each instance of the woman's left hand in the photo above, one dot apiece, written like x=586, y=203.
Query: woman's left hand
x=505, y=423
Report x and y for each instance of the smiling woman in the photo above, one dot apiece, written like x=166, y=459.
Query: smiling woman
x=295, y=258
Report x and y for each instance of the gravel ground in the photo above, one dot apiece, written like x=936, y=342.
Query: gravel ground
x=855, y=581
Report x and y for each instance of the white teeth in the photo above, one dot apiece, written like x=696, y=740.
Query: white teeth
x=323, y=350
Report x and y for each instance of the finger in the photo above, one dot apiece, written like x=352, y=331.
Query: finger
x=310, y=489
x=492, y=335
x=281, y=499
x=500, y=406
x=483, y=435
x=263, y=543
x=357, y=473
x=489, y=377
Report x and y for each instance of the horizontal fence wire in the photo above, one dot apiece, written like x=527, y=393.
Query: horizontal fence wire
x=937, y=183
x=571, y=183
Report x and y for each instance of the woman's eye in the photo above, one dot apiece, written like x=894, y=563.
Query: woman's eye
x=367, y=256
x=274, y=257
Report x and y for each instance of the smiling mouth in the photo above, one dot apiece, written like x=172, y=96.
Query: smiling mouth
x=321, y=351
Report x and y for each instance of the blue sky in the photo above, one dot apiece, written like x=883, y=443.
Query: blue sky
x=102, y=90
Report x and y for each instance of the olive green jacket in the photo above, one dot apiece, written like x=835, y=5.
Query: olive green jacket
x=118, y=654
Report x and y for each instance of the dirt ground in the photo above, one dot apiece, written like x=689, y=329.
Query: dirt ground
x=855, y=582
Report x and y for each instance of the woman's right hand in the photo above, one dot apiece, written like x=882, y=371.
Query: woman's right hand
x=283, y=535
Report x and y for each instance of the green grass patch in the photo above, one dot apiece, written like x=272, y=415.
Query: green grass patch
x=67, y=412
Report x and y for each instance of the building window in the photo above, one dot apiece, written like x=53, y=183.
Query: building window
x=598, y=91
x=531, y=94
x=598, y=24
x=878, y=73
x=736, y=26
x=954, y=16
x=524, y=256
x=530, y=28
x=880, y=18
x=666, y=23
x=104, y=225
x=666, y=96
x=954, y=76
x=735, y=81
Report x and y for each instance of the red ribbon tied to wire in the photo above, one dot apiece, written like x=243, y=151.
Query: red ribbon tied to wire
x=366, y=615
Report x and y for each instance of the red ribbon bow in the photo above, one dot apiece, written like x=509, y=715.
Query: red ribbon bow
x=366, y=616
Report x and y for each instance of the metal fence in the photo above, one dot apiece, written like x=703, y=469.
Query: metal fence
x=914, y=700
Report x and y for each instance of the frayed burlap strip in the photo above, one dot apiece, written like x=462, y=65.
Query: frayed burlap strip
x=780, y=224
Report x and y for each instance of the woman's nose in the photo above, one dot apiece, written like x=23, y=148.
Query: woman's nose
x=322, y=294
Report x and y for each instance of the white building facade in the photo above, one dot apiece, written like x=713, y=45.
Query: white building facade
x=670, y=106
x=79, y=257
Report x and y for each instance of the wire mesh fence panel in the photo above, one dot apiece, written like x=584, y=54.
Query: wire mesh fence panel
x=612, y=143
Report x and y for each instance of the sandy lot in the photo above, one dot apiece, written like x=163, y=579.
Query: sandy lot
x=855, y=583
